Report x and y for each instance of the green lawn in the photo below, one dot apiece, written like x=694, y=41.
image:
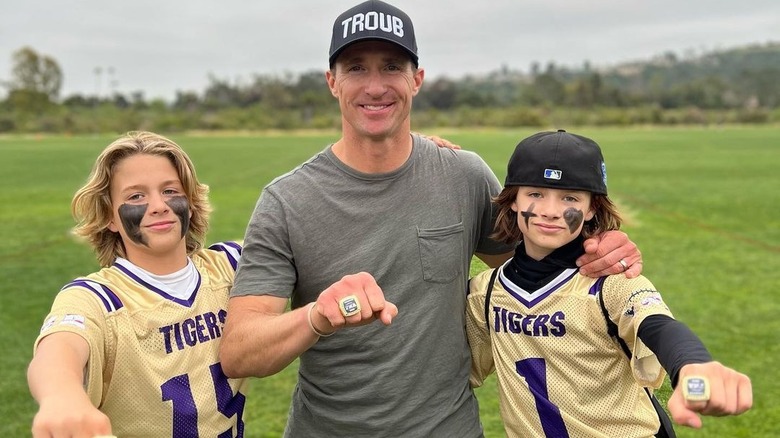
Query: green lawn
x=701, y=203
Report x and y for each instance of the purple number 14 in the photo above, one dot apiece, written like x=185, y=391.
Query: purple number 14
x=185, y=413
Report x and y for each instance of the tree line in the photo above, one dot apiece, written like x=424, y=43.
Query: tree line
x=738, y=85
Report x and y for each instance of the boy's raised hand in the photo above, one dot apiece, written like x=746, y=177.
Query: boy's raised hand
x=709, y=389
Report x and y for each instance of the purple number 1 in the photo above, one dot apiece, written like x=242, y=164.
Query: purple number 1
x=185, y=413
x=534, y=370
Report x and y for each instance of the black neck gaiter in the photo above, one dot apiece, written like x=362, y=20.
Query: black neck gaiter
x=532, y=274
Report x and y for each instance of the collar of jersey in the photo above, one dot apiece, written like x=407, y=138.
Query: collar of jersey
x=143, y=278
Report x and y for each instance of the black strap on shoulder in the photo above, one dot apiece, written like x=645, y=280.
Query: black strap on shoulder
x=487, y=296
x=612, y=328
x=666, y=430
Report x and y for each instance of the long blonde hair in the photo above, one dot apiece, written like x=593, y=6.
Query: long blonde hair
x=91, y=206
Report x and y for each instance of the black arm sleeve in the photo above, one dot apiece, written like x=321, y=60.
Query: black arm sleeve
x=673, y=343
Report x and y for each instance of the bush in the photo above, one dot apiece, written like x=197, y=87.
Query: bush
x=7, y=124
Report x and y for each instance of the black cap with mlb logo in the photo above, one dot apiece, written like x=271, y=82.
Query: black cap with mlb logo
x=558, y=160
x=373, y=20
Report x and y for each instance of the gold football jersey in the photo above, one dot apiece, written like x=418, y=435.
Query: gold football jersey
x=559, y=372
x=153, y=367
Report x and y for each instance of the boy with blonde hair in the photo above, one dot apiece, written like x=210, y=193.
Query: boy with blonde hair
x=132, y=350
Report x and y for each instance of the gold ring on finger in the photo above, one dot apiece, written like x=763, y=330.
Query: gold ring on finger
x=349, y=306
x=696, y=388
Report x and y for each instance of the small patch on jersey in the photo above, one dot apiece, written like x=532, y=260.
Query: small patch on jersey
x=552, y=174
x=653, y=300
x=74, y=320
x=48, y=323
x=646, y=297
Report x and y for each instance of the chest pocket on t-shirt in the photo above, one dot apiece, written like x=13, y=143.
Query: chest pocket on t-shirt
x=441, y=252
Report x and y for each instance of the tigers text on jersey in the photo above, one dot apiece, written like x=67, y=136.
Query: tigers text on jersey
x=559, y=372
x=153, y=365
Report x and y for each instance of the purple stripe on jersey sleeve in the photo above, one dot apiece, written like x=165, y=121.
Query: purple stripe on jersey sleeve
x=233, y=245
x=221, y=247
x=597, y=286
x=108, y=297
x=137, y=279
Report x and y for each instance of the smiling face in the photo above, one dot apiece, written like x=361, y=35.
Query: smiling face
x=150, y=209
x=550, y=218
x=374, y=82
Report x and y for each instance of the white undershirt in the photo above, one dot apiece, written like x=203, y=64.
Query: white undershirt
x=180, y=284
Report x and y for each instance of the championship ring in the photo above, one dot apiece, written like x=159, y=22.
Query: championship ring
x=349, y=306
x=696, y=388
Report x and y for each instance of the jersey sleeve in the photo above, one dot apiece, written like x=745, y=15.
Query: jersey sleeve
x=482, y=364
x=231, y=250
x=76, y=309
x=629, y=302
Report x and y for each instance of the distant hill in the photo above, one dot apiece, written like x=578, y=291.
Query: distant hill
x=750, y=71
x=727, y=63
x=740, y=77
x=735, y=85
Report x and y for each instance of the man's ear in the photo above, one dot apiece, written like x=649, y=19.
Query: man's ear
x=419, y=75
x=330, y=78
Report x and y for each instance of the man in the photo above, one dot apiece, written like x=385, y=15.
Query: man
x=380, y=224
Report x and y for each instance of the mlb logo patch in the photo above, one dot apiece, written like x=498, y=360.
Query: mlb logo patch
x=552, y=174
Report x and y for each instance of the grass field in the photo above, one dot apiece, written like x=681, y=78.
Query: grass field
x=703, y=204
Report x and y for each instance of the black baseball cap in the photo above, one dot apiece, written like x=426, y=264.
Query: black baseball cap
x=558, y=160
x=373, y=20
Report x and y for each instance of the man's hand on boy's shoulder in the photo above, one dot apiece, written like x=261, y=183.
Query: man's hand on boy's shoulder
x=440, y=142
x=610, y=253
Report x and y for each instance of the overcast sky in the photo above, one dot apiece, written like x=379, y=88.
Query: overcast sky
x=160, y=46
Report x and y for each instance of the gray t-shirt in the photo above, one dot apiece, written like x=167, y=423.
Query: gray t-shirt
x=415, y=230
